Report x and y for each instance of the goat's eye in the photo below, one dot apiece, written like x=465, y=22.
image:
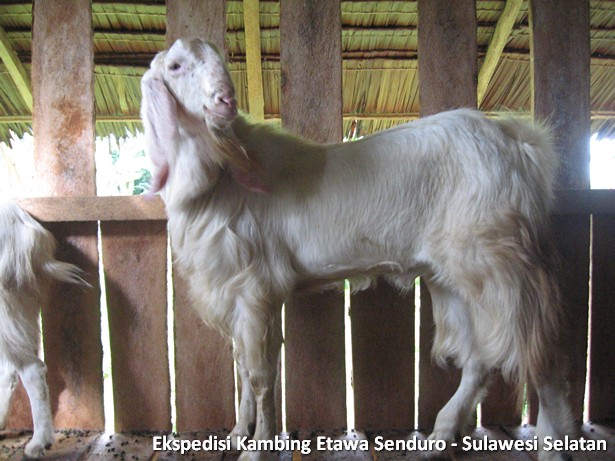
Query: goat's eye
x=175, y=66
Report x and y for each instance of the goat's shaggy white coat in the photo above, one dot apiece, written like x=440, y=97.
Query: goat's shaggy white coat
x=27, y=269
x=255, y=213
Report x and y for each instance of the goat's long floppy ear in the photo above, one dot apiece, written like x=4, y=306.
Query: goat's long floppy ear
x=159, y=114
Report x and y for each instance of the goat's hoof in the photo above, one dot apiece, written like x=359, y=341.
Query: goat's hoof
x=235, y=436
x=36, y=447
x=35, y=451
x=447, y=435
x=442, y=435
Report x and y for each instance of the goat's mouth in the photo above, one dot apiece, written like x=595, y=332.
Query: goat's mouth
x=225, y=110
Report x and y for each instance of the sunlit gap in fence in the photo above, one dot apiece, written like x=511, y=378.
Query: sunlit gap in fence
x=589, y=319
x=283, y=371
x=41, y=349
x=417, y=347
x=171, y=333
x=350, y=420
x=108, y=407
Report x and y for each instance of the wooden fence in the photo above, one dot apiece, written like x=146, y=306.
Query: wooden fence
x=134, y=240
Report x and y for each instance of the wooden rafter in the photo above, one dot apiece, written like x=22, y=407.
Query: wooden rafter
x=15, y=68
x=256, y=99
x=502, y=31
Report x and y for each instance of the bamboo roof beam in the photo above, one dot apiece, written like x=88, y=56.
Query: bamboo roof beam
x=256, y=98
x=502, y=31
x=15, y=68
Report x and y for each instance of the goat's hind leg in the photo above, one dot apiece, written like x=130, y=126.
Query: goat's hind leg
x=554, y=415
x=8, y=381
x=454, y=420
x=454, y=339
x=32, y=375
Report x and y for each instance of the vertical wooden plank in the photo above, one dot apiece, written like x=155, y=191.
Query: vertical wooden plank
x=204, y=381
x=63, y=122
x=560, y=42
x=383, y=356
x=20, y=413
x=448, y=71
x=203, y=359
x=500, y=407
x=315, y=362
x=134, y=258
x=602, y=372
x=311, y=65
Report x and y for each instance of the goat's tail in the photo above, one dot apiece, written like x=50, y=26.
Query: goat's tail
x=538, y=316
x=539, y=157
x=65, y=272
x=524, y=293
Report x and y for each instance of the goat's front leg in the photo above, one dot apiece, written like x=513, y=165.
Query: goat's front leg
x=259, y=332
x=8, y=381
x=32, y=376
x=246, y=420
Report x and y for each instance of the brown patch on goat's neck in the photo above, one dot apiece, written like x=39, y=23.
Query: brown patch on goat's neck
x=230, y=152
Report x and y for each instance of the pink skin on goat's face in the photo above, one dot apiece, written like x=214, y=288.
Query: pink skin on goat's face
x=195, y=63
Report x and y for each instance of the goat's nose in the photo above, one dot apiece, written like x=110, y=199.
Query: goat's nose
x=228, y=101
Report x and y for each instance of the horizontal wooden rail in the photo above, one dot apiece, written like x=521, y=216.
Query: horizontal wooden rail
x=71, y=209
x=138, y=208
x=595, y=201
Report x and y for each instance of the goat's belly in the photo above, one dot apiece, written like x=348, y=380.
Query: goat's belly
x=361, y=275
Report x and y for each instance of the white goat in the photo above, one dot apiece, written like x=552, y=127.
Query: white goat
x=27, y=269
x=255, y=213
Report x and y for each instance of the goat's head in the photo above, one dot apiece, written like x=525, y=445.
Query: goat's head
x=195, y=73
x=191, y=78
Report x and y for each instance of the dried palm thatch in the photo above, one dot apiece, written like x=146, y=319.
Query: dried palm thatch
x=379, y=43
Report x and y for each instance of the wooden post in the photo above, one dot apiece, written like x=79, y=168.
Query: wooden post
x=134, y=258
x=560, y=58
x=63, y=121
x=448, y=62
x=447, y=79
x=311, y=63
x=204, y=381
x=197, y=18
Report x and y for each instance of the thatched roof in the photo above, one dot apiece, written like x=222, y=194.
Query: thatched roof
x=379, y=43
